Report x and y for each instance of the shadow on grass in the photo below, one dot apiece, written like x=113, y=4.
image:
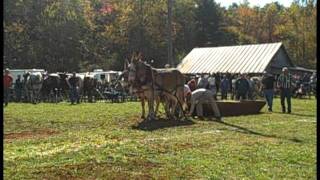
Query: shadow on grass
x=248, y=131
x=296, y=114
x=161, y=123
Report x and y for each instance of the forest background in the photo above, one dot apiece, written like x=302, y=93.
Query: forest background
x=82, y=35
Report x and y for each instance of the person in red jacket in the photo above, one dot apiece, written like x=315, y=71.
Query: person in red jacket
x=7, y=83
x=192, y=84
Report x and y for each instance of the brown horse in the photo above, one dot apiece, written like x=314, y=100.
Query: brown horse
x=166, y=84
x=138, y=92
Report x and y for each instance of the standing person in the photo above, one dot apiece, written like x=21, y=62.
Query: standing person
x=305, y=78
x=212, y=86
x=251, y=87
x=192, y=84
x=242, y=88
x=229, y=77
x=201, y=96
x=187, y=95
x=233, y=85
x=224, y=86
x=73, y=85
x=313, y=83
x=7, y=83
x=18, y=88
x=268, y=85
x=218, y=81
x=202, y=82
x=284, y=83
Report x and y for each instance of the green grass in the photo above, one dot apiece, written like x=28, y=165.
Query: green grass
x=103, y=141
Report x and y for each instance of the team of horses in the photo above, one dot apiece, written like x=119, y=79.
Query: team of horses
x=155, y=86
x=52, y=87
x=152, y=86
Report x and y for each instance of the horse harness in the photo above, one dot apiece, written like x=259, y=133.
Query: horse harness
x=155, y=85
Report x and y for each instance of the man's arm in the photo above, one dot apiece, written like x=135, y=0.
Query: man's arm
x=274, y=83
x=278, y=81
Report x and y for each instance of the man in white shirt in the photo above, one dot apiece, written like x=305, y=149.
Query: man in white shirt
x=200, y=97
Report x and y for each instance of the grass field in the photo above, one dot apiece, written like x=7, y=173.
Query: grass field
x=106, y=141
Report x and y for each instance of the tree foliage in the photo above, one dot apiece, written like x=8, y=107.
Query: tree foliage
x=80, y=35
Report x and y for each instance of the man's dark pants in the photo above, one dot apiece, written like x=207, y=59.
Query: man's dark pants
x=268, y=93
x=74, y=96
x=18, y=94
x=6, y=95
x=241, y=95
x=224, y=94
x=285, y=93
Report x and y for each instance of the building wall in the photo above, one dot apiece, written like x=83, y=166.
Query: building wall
x=280, y=60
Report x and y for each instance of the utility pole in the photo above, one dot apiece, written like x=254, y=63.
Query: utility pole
x=170, y=60
x=141, y=26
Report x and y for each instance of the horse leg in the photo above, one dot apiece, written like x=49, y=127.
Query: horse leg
x=182, y=104
x=157, y=105
x=170, y=105
x=32, y=98
x=150, y=105
x=167, y=107
x=142, y=107
x=174, y=108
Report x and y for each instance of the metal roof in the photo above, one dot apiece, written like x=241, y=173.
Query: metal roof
x=252, y=58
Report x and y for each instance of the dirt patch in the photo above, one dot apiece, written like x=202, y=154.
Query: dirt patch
x=40, y=133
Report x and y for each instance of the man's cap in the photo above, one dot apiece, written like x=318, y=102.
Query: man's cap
x=6, y=70
x=284, y=69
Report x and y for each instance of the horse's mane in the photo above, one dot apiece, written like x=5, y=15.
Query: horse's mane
x=149, y=70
